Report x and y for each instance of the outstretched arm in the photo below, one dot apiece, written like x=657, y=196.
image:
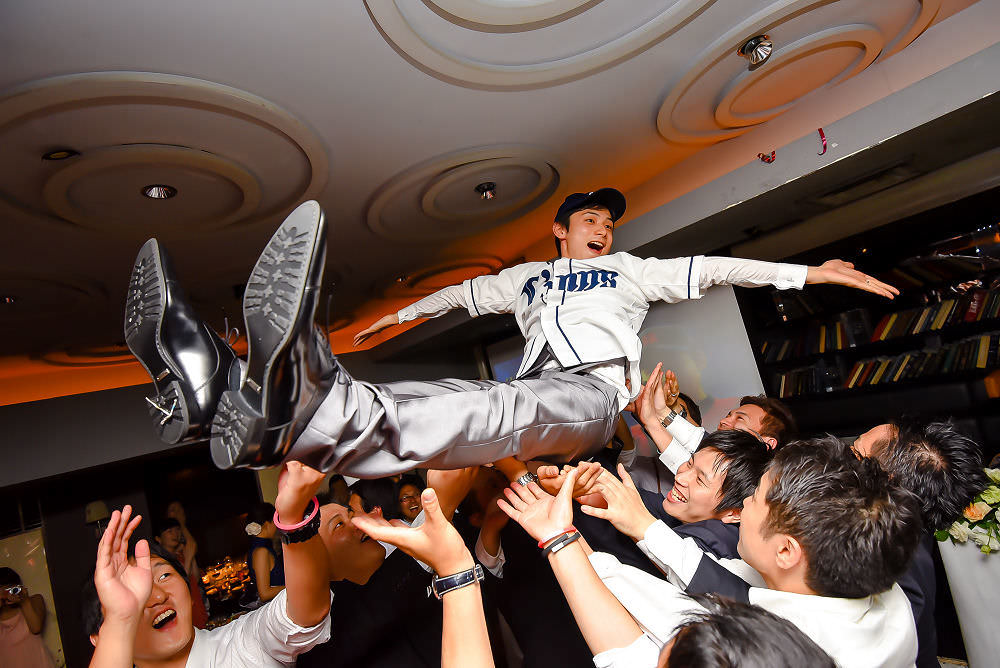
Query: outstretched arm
x=464, y=641
x=306, y=571
x=604, y=622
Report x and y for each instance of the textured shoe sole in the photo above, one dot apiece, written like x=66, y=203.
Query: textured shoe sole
x=143, y=315
x=271, y=305
x=234, y=425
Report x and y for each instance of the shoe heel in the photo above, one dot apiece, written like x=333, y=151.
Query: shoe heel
x=236, y=428
x=175, y=425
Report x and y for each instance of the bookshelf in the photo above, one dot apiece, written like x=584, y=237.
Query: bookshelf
x=845, y=360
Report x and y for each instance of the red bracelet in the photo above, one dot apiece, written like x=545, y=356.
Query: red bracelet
x=307, y=520
x=545, y=541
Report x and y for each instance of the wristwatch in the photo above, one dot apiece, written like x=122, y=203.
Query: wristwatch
x=525, y=478
x=442, y=585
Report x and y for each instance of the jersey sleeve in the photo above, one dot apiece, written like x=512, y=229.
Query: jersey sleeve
x=675, y=279
x=431, y=306
x=480, y=295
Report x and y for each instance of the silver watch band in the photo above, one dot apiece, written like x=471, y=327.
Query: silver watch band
x=671, y=416
x=441, y=586
x=525, y=478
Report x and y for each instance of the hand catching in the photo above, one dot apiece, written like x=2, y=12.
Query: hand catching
x=625, y=510
x=538, y=512
x=436, y=542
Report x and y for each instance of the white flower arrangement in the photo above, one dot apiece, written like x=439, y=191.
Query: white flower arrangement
x=979, y=521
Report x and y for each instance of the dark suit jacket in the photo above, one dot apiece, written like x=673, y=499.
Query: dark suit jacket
x=389, y=622
x=918, y=583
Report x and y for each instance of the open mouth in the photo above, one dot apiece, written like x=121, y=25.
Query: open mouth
x=676, y=496
x=164, y=618
x=414, y=509
x=597, y=246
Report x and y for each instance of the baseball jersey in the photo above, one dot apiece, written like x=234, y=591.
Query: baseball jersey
x=588, y=312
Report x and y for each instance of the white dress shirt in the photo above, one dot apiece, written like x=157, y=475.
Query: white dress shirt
x=263, y=638
x=874, y=631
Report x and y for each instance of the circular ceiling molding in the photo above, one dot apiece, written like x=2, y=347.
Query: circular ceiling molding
x=442, y=275
x=87, y=356
x=922, y=21
x=720, y=98
x=828, y=56
x=498, y=16
x=36, y=297
x=234, y=158
x=212, y=192
x=437, y=200
x=544, y=43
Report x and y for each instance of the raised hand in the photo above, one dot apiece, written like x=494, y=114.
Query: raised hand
x=625, y=510
x=838, y=272
x=123, y=587
x=551, y=479
x=538, y=512
x=435, y=542
x=378, y=326
x=297, y=484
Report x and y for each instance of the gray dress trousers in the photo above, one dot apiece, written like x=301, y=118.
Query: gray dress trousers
x=368, y=430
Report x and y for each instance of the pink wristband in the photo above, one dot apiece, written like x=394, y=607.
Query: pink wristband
x=307, y=520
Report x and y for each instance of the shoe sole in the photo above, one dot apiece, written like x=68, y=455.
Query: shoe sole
x=271, y=306
x=143, y=318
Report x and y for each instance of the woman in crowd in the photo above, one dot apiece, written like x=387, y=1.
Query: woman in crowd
x=267, y=571
x=22, y=618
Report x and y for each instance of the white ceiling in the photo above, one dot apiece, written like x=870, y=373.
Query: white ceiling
x=388, y=112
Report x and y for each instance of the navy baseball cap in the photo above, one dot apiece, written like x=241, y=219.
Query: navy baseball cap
x=609, y=198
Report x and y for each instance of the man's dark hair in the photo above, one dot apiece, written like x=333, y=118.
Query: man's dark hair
x=778, y=422
x=564, y=221
x=744, y=458
x=857, y=529
x=730, y=634
x=380, y=492
x=8, y=576
x=261, y=513
x=693, y=409
x=410, y=479
x=91, y=606
x=165, y=524
x=941, y=466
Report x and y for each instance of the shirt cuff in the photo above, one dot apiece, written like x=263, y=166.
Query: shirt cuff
x=627, y=458
x=642, y=653
x=791, y=276
x=667, y=550
x=674, y=456
x=494, y=564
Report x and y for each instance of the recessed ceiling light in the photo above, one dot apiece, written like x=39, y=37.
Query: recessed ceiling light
x=757, y=50
x=487, y=190
x=60, y=154
x=159, y=191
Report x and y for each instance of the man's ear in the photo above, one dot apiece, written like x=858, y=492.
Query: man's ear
x=732, y=516
x=377, y=511
x=789, y=554
x=770, y=441
x=93, y=639
x=559, y=230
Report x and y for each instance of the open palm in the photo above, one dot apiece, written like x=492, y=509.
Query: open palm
x=123, y=587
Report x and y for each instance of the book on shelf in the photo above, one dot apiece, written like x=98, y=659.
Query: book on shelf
x=980, y=352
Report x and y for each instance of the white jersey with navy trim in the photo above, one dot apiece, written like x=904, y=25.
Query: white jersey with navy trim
x=589, y=312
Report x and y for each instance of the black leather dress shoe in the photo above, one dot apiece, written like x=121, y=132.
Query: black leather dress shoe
x=190, y=365
x=289, y=369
